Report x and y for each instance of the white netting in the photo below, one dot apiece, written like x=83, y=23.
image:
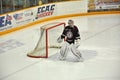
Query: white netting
x=48, y=39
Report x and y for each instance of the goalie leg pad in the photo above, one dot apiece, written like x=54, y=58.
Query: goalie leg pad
x=75, y=51
x=64, y=49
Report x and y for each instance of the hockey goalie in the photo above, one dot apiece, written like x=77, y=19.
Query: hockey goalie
x=72, y=41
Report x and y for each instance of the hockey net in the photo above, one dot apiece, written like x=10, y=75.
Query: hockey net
x=48, y=39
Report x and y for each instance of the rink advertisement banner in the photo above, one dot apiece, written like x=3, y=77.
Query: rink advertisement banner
x=62, y=8
x=103, y=4
x=107, y=5
x=45, y=11
x=26, y=16
x=23, y=17
x=16, y=19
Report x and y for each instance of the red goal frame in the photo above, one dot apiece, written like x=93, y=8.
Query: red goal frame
x=46, y=35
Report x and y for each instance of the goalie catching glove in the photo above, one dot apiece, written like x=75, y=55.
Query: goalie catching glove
x=59, y=40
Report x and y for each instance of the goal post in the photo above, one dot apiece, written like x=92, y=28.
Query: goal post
x=47, y=39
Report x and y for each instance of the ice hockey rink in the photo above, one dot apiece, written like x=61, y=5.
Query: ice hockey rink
x=100, y=47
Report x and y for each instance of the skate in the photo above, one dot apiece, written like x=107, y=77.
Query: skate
x=62, y=58
x=81, y=59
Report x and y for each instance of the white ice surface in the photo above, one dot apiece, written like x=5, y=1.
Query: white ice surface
x=100, y=47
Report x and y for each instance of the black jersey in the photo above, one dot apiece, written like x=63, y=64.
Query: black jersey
x=71, y=34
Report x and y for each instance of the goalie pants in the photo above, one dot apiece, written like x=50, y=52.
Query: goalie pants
x=72, y=47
